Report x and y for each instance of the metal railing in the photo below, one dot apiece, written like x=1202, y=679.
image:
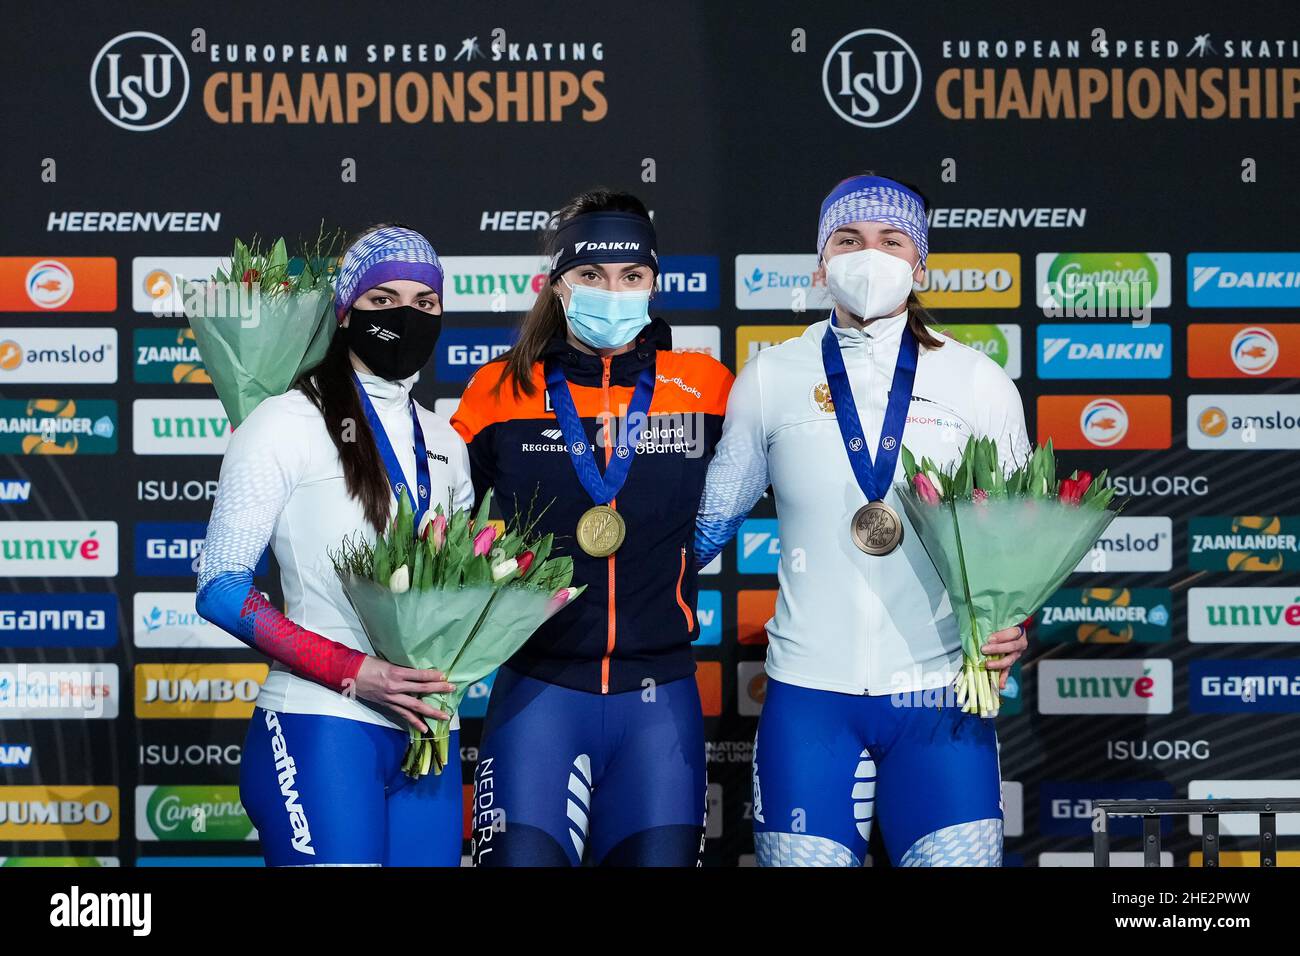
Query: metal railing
x=1151, y=812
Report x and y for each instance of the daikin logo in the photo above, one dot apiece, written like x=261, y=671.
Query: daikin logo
x=1250, y=279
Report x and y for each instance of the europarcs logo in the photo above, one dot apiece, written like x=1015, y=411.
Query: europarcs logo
x=871, y=78
x=139, y=81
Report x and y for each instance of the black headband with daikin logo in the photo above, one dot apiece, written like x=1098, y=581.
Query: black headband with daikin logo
x=604, y=237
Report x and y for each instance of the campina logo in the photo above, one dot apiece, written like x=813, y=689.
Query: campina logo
x=1243, y=351
x=1252, y=279
x=187, y=812
x=139, y=81
x=871, y=78
x=1090, y=284
x=999, y=342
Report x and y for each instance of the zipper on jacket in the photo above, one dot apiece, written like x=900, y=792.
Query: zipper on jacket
x=609, y=451
x=686, y=610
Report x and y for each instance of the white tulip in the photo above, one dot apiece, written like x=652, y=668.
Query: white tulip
x=400, y=582
x=505, y=569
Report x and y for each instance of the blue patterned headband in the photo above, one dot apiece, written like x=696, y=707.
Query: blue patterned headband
x=385, y=255
x=874, y=199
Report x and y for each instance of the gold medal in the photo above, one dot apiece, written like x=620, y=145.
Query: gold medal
x=876, y=528
x=601, y=531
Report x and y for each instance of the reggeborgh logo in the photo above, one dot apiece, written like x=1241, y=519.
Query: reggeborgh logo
x=871, y=78
x=139, y=81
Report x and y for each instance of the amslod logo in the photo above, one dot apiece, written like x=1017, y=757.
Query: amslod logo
x=1132, y=544
x=1243, y=279
x=191, y=813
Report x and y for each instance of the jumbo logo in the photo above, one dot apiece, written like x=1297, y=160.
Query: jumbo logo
x=967, y=281
x=197, y=691
x=1244, y=543
x=1102, y=283
x=59, y=813
x=168, y=356
x=1106, y=616
x=191, y=813
x=58, y=426
x=69, y=284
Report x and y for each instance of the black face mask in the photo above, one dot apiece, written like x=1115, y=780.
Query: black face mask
x=394, y=343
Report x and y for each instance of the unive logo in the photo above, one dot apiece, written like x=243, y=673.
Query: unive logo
x=1090, y=284
x=179, y=426
x=1104, y=351
x=1244, y=686
x=1243, y=351
x=58, y=549
x=758, y=547
x=1106, y=616
x=688, y=282
x=1132, y=543
x=42, y=356
x=1244, y=543
x=493, y=283
x=1118, y=422
x=169, y=356
x=1105, y=686
x=708, y=611
x=1243, y=422
x=1243, y=615
x=871, y=78
x=197, y=691
x=461, y=352
x=1243, y=279
x=971, y=281
x=58, y=620
x=779, y=281
x=167, y=619
x=44, y=814
x=58, y=426
x=139, y=81
x=67, y=284
x=191, y=813
x=1001, y=342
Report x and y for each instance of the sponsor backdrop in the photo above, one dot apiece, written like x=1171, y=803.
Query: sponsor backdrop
x=1112, y=198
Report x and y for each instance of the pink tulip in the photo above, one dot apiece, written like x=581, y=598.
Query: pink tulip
x=979, y=495
x=438, y=528
x=925, y=490
x=483, y=540
x=559, y=599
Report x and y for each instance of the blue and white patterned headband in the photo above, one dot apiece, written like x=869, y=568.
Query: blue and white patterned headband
x=381, y=256
x=874, y=199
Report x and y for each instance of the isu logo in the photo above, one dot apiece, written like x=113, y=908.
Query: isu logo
x=1213, y=421
x=871, y=78
x=1104, y=422
x=1254, y=350
x=139, y=81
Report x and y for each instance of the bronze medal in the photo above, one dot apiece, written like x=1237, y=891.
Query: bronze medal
x=601, y=531
x=876, y=528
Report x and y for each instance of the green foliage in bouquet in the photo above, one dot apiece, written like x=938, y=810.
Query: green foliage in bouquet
x=312, y=269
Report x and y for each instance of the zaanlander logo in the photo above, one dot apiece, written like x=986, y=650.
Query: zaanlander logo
x=58, y=426
x=169, y=356
x=1243, y=615
x=1106, y=616
x=1105, y=687
x=1244, y=543
x=191, y=813
x=871, y=78
x=139, y=81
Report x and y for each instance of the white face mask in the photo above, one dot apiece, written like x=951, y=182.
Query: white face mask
x=869, y=283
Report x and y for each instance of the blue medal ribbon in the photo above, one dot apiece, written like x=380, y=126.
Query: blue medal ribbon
x=396, y=479
x=873, y=477
x=602, y=488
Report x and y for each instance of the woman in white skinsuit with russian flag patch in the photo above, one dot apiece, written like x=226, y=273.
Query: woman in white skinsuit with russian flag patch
x=863, y=626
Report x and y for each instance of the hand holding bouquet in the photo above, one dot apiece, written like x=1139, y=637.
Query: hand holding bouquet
x=456, y=597
x=1001, y=543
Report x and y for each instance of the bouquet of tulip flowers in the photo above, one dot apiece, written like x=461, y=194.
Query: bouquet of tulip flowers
x=456, y=597
x=263, y=321
x=1002, y=543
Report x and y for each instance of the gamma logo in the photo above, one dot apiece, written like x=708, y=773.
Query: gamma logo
x=139, y=81
x=871, y=78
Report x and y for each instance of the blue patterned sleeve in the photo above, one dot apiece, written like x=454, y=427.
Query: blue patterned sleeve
x=738, y=473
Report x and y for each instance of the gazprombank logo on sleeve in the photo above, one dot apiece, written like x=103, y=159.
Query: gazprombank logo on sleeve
x=197, y=691
x=179, y=426
x=61, y=813
x=58, y=549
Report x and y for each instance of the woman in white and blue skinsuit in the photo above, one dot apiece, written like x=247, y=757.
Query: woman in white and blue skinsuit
x=321, y=774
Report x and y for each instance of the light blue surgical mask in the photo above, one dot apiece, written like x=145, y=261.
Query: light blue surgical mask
x=604, y=319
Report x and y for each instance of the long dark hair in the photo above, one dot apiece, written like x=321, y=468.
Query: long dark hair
x=918, y=319
x=328, y=385
x=546, y=318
